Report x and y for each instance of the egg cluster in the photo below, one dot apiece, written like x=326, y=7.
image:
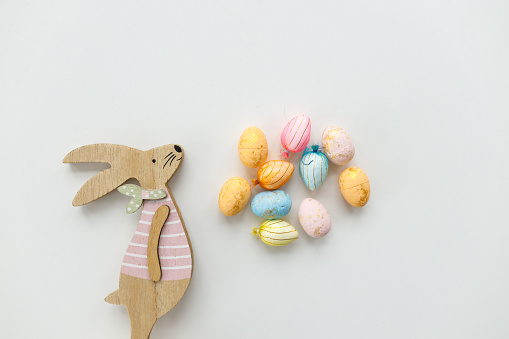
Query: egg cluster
x=273, y=204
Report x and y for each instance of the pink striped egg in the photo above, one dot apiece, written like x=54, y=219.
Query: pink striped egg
x=296, y=134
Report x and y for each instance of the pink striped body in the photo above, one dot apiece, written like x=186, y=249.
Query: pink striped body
x=296, y=134
x=174, y=251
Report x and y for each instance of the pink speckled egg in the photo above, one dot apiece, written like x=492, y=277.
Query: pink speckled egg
x=296, y=134
x=337, y=145
x=314, y=218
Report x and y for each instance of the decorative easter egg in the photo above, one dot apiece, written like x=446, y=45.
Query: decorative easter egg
x=274, y=173
x=314, y=218
x=252, y=147
x=234, y=196
x=296, y=134
x=276, y=232
x=337, y=145
x=313, y=167
x=354, y=185
x=271, y=204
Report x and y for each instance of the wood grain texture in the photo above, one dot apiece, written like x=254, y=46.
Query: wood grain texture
x=146, y=300
x=160, y=216
x=123, y=161
x=126, y=163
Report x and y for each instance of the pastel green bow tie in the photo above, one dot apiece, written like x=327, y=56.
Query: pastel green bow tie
x=139, y=195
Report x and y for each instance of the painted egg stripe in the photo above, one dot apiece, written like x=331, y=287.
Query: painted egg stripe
x=313, y=175
x=298, y=128
x=291, y=132
x=276, y=226
x=305, y=135
x=276, y=240
x=283, y=176
x=302, y=136
x=272, y=179
x=273, y=243
x=317, y=178
x=284, y=135
x=307, y=160
x=280, y=237
x=272, y=166
x=284, y=229
x=279, y=229
x=271, y=169
x=279, y=232
x=278, y=172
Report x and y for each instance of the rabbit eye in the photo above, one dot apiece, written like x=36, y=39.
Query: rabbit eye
x=154, y=161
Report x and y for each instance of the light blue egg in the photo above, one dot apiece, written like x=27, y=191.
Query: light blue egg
x=271, y=204
x=313, y=167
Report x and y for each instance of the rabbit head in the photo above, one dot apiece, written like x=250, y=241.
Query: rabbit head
x=152, y=168
x=158, y=165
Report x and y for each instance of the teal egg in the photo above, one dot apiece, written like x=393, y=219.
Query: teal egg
x=313, y=167
x=271, y=204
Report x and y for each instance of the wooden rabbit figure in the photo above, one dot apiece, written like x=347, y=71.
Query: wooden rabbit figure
x=157, y=267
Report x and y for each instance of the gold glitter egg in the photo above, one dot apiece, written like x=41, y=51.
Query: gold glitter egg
x=252, y=147
x=234, y=196
x=354, y=186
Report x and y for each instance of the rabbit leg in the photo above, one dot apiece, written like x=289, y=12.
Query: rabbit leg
x=168, y=294
x=139, y=297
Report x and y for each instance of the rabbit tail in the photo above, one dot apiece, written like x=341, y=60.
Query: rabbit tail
x=141, y=311
x=113, y=298
x=146, y=301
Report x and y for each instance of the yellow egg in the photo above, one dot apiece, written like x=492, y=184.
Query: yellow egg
x=252, y=147
x=234, y=196
x=276, y=232
x=354, y=185
x=274, y=173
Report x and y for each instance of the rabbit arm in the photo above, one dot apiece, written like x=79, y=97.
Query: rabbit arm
x=160, y=216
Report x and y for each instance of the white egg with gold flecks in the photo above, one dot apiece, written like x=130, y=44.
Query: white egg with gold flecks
x=337, y=145
x=314, y=218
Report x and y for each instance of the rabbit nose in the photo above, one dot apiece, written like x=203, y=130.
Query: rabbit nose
x=177, y=148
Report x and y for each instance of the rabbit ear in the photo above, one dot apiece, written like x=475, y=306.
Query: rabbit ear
x=123, y=160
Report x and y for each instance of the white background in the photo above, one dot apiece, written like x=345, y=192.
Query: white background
x=421, y=86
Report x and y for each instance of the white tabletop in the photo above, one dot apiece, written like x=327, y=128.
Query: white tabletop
x=420, y=86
